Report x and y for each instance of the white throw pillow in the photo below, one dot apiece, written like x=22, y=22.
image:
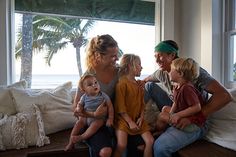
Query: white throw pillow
x=222, y=125
x=22, y=130
x=6, y=103
x=55, y=106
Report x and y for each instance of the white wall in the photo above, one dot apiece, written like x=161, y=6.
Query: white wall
x=6, y=40
x=197, y=28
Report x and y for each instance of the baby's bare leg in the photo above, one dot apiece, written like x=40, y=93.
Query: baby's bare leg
x=92, y=129
x=75, y=131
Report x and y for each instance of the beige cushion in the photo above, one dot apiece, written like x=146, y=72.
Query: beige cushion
x=151, y=113
x=6, y=103
x=55, y=106
x=222, y=125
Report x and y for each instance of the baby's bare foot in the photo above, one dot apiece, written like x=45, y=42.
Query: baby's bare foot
x=76, y=139
x=70, y=146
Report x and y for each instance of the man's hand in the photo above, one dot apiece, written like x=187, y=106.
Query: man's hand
x=174, y=118
x=182, y=123
x=141, y=83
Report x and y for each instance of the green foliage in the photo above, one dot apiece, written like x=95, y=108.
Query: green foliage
x=54, y=33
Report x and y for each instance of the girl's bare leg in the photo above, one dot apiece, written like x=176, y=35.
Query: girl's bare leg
x=121, y=142
x=149, y=140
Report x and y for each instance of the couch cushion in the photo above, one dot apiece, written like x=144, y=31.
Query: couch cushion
x=55, y=106
x=6, y=102
x=222, y=125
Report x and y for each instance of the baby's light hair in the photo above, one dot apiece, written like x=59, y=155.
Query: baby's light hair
x=127, y=61
x=187, y=66
x=83, y=78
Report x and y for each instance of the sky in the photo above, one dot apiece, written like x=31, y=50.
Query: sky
x=131, y=38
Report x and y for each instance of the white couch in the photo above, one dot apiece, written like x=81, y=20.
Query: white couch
x=28, y=116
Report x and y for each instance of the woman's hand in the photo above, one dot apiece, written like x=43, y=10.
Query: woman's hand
x=101, y=110
x=79, y=111
x=109, y=122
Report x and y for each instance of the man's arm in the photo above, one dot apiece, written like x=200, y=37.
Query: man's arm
x=220, y=97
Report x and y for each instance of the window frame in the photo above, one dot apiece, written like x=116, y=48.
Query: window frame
x=230, y=31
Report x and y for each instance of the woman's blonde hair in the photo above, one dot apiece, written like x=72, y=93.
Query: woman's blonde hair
x=98, y=46
x=187, y=66
x=127, y=61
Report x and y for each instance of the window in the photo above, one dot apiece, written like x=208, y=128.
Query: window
x=230, y=43
x=48, y=71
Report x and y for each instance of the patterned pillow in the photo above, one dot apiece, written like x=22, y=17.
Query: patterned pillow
x=22, y=130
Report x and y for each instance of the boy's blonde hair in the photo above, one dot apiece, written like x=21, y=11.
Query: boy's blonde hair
x=187, y=66
x=128, y=60
x=98, y=46
x=84, y=77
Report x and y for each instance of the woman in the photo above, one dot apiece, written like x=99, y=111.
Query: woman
x=101, y=60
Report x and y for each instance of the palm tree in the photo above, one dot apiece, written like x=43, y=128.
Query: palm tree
x=52, y=33
x=56, y=33
x=25, y=48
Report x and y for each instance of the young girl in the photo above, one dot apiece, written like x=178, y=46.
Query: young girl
x=90, y=101
x=129, y=106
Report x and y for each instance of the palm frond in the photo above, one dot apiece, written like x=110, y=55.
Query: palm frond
x=87, y=27
x=53, y=49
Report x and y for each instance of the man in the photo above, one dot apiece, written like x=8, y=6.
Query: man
x=165, y=53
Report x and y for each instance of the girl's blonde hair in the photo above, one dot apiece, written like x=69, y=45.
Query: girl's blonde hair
x=98, y=46
x=128, y=61
x=187, y=66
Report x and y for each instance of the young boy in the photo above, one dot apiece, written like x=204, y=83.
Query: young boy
x=89, y=101
x=187, y=99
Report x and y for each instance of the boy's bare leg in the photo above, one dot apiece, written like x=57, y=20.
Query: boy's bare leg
x=91, y=130
x=75, y=131
x=162, y=121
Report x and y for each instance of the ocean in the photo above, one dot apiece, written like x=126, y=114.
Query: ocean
x=53, y=81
